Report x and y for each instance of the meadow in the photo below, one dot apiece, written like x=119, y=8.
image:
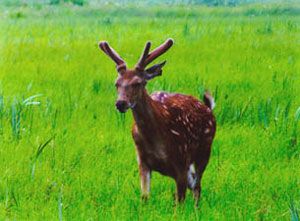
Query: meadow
x=67, y=154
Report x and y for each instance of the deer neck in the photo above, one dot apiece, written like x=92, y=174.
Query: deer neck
x=146, y=115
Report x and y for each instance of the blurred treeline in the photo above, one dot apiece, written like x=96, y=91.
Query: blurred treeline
x=142, y=2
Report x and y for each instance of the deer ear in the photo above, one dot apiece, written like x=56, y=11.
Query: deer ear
x=155, y=70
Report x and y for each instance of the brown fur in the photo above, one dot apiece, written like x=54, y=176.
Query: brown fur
x=171, y=134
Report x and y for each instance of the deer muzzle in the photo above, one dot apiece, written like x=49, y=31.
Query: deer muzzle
x=122, y=106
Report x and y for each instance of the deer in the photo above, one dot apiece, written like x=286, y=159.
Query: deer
x=172, y=132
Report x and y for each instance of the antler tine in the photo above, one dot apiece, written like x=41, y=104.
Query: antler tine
x=141, y=62
x=104, y=46
x=159, y=51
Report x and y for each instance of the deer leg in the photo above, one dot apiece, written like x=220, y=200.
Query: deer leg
x=200, y=167
x=181, y=186
x=145, y=176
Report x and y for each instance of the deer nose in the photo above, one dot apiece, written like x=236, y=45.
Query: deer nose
x=121, y=105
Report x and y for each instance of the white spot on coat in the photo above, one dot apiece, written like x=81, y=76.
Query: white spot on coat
x=187, y=119
x=175, y=132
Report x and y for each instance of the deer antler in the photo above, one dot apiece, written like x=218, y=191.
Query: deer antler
x=113, y=55
x=147, y=58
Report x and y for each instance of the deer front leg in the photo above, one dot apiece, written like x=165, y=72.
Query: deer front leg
x=145, y=176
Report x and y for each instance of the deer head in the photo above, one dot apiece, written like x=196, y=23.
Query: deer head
x=130, y=83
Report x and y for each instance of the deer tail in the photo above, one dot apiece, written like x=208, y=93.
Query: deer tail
x=209, y=100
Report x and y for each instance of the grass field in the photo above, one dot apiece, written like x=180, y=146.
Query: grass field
x=67, y=154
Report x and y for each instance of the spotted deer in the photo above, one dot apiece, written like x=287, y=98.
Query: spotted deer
x=173, y=133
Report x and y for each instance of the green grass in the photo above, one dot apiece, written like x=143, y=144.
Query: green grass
x=67, y=154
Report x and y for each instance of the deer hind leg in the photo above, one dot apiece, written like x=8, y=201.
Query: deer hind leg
x=194, y=181
x=200, y=167
x=145, y=176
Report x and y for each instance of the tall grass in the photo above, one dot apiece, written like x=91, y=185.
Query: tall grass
x=68, y=154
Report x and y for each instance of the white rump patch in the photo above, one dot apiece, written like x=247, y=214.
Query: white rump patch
x=191, y=175
x=192, y=168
